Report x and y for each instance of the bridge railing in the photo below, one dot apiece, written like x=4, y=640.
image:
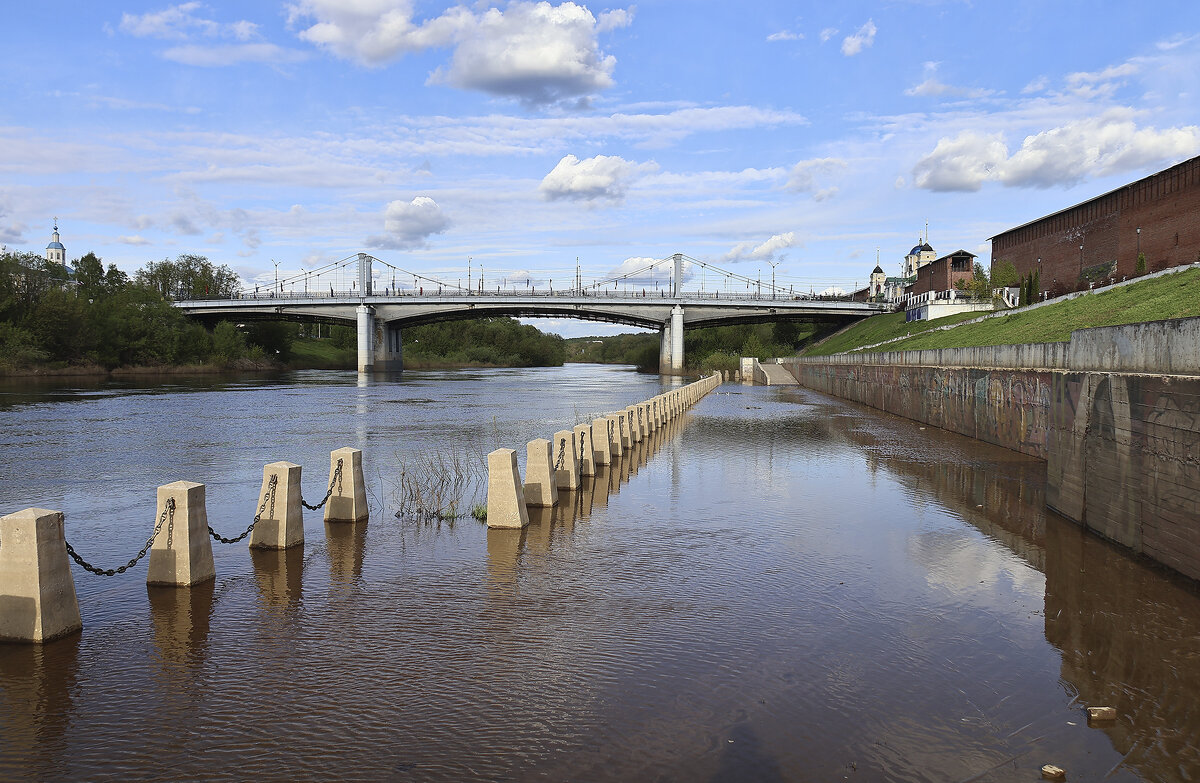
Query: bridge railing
x=509, y=293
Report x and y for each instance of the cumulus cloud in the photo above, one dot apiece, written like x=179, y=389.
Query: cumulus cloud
x=933, y=88
x=863, y=39
x=534, y=52
x=1096, y=146
x=805, y=174
x=764, y=251
x=409, y=224
x=827, y=33
x=135, y=240
x=1094, y=84
x=601, y=177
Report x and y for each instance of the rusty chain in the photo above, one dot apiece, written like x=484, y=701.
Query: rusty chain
x=336, y=478
x=562, y=453
x=168, y=510
x=582, y=444
x=262, y=507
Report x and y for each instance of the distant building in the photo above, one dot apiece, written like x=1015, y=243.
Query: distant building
x=919, y=256
x=1099, y=239
x=55, y=252
x=878, y=278
x=945, y=273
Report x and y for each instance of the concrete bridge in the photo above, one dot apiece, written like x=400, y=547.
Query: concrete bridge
x=380, y=316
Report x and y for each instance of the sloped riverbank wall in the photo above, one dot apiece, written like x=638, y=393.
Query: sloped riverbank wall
x=1115, y=414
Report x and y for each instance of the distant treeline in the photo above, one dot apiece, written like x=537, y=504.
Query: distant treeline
x=104, y=318
x=714, y=348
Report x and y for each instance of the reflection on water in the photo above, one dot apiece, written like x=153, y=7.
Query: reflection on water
x=778, y=586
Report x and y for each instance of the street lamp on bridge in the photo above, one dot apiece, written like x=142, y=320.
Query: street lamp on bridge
x=773, y=265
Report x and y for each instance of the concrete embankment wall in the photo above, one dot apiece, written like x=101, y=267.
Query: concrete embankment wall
x=1115, y=413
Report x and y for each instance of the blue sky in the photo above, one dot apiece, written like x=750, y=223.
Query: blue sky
x=524, y=135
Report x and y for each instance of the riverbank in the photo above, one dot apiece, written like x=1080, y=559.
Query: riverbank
x=96, y=371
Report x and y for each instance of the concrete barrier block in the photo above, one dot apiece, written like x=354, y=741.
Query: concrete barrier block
x=281, y=523
x=37, y=592
x=506, y=496
x=602, y=446
x=182, y=552
x=541, y=486
x=616, y=444
x=567, y=476
x=348, y=503
x=635, y=426
x=586, y=449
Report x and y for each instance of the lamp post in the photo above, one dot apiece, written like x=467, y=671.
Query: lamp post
x=468, y=275
x=276, y=263
x=1081, y=260
x=1139, y=242
x=773, y=265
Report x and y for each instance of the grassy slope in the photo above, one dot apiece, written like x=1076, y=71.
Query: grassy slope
x=1170, y=296
x=878, y=328
x=321, y=354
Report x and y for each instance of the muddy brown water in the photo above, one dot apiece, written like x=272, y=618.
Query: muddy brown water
x=783, y=586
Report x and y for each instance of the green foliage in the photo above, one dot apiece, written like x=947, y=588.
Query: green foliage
x=502, y=342
x=103, y=318
x=979, y=286
x=1140, y=269
x=1004, y=274
x=189, y=277
x=879, y=328
x=712, y=348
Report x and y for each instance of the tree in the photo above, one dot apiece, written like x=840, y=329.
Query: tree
x=189, y=276
x=1140, y=269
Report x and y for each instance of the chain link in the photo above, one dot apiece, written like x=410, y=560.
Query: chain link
x=262, y=507
x=562, y=454
x=336, y=478
x=168, y=510
x=582, y=444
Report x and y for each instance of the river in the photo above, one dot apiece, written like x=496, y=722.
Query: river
x=784, y=586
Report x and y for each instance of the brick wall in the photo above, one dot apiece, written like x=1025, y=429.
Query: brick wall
x=1166, y=206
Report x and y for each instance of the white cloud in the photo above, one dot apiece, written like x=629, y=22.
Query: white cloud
x=863, y=39
x=1061, y=156
x=932, y=87
x=1095, y=147
x=535, y=52
x=828, y=33
x=833, y=290
x=785, y=35
x=601, y=177
x=132, y=240
x=803, y=177
x=645, y=271
x=960, y=163
x=764, y=251
x=232, y=54
x=1037, y=85
x=182, y=23
x=409, y=224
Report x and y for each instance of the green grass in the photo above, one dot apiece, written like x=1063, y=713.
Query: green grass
x=878, y=328
x=1170, y=296
x=320, y=354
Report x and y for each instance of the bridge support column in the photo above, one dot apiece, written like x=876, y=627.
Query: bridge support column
x=677, y=340
x=664, y=349
x=366, y=338
x=388, y=349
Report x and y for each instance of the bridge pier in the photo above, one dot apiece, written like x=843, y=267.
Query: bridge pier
x=389, y=349
x=670, y=350
x=366, y=338
x=380, y=348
